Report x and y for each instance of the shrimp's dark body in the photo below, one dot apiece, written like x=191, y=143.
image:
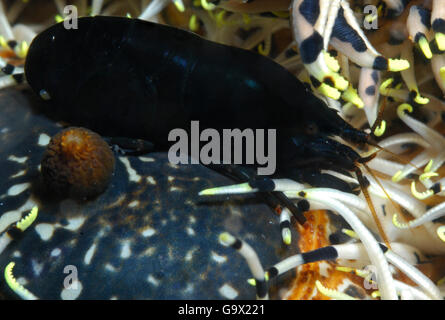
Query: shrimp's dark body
x=131, y=78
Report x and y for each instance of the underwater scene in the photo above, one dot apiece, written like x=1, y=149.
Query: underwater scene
x=222, y=149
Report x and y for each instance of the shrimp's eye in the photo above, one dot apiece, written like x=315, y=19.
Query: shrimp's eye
x=44, y=95
x=311, y=128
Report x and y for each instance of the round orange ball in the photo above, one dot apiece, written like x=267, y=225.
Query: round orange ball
x=77, y=163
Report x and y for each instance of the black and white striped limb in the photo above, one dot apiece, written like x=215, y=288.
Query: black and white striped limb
x=356, y=251
x=13, y=75
x=263, y=185
x=322, y=254
x=406, y=292
x=418, y=25
x=368, y=90
x=18, y=228
x=409, y=76
x=375, y=253
x=10, y=69
x=438, y=23
x=395, y=7
x=285, y=226
x=434, y=213
x=349, y=38
x=252, y=260
x=309, y=20
x=425, y=283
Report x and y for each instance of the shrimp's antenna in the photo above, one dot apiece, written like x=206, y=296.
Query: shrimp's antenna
x=396, y=156
x=383, y=189
x=363, y=186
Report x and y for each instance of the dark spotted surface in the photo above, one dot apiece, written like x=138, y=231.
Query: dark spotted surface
x=146, y=237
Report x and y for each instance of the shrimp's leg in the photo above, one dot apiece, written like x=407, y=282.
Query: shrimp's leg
x=130, y=147
x=276, y=200
x=323, y=180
